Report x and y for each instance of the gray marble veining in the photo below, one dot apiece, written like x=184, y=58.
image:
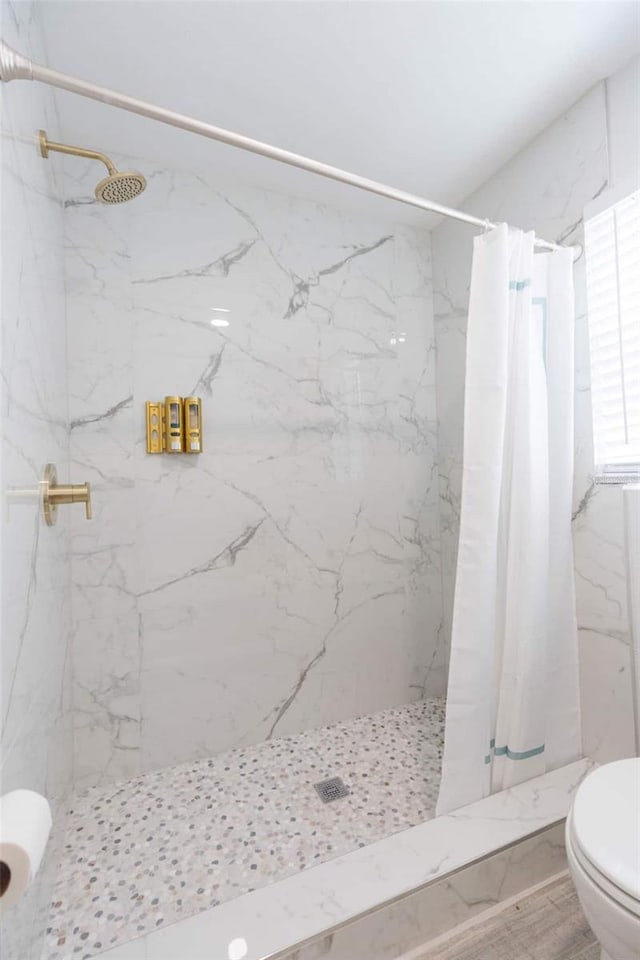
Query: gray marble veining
x=290, y=575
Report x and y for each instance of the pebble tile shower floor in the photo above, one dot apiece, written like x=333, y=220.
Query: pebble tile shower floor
x=165, y=845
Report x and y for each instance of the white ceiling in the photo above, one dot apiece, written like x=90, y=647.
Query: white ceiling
x=430, y=97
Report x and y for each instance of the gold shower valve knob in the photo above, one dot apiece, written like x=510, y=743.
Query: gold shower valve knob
x=55, y=494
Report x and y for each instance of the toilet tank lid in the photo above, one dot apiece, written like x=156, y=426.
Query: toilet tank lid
x=606, y=822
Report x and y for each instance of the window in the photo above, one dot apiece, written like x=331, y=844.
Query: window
x=612, y=242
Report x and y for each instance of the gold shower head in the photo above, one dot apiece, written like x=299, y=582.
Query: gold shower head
x=116, y=187
x=120, y=187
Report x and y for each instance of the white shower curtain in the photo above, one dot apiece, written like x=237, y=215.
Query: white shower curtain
x=513, y=700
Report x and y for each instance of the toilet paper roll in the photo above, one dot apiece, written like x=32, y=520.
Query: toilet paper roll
x=25, y=824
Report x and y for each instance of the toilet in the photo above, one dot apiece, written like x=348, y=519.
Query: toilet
x=603, y=849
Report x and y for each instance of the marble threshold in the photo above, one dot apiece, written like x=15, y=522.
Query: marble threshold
x=269, y=923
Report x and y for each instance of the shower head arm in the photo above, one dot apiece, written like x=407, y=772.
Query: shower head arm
x=47, y=145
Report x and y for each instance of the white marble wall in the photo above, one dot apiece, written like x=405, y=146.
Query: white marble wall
x=290, y=576
x=546, y=187
x=36, y=729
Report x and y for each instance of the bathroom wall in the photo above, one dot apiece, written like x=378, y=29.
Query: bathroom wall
x=36, y=729
x=289, y=576
x=545, y=187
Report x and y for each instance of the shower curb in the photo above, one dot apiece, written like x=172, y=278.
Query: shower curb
x=285, y=920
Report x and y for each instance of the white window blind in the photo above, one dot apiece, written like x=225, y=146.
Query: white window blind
x=612, y=241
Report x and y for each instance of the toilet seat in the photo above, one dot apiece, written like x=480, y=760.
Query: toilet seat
x=604, y=831
x=606, y=887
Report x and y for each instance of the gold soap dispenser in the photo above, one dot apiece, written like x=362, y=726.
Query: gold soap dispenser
x=174, y=424
x=192, y=425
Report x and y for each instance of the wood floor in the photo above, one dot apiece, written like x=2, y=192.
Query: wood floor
x=547, y=925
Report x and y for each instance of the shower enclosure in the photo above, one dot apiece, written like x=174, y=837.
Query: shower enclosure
x=279, y=585
x=251, y=653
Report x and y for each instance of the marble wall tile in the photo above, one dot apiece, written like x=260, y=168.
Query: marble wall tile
x=545, y=187
x=290, y=575
x=36, y=726
x=601, y=587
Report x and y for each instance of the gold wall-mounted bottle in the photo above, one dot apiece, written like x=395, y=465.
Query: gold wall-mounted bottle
x=192, y=425
x=173, y=425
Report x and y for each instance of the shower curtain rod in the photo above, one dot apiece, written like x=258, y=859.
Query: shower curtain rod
x=14, y=66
